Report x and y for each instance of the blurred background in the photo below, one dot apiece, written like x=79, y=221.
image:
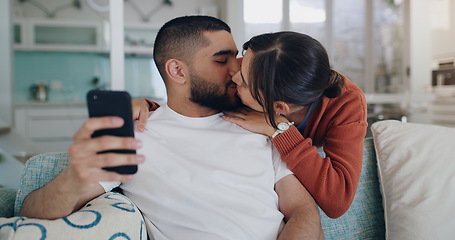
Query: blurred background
x=52, y=52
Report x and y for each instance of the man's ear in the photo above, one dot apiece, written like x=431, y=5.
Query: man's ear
x=281, y=107
x=176, y=70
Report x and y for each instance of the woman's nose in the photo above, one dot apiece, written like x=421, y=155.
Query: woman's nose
x=236, y=78
x=234, y=67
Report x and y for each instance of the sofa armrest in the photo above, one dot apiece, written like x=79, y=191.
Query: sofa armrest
x=109, y=216
x=39, y=170
x=7, y=197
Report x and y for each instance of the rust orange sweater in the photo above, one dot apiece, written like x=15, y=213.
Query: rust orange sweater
x=339, y=126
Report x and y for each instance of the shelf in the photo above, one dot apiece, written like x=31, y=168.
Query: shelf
x=51, y=35
x=139, y=38
x=65, y=35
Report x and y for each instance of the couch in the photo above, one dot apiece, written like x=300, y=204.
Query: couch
x=109, y=216
x=371, y=216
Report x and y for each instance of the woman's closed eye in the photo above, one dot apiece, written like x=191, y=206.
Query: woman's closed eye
x=243, y=84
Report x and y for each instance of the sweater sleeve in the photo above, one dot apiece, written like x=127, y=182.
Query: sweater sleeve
x=333, y=180
x=153, y=105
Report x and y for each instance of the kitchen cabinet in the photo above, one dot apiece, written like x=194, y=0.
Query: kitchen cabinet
x=50, y=126
x=51, y=35
x=72, y=36
x=66, y=36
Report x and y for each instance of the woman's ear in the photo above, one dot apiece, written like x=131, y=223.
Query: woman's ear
x=281, y=108
x=175, y=69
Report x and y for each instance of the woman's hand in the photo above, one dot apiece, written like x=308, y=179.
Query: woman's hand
x=251, y=120
x=140, y=112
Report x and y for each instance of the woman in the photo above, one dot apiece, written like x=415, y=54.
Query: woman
x=286, y=77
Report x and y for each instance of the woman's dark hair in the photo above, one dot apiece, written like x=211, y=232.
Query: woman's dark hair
x=290, y=67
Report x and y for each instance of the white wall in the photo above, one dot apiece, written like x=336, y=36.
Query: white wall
x=420, y=56
x=443, y=29
x=432, y=38
x=6, y=63
x=234, y=17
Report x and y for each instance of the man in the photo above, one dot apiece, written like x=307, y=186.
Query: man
x=204, y=178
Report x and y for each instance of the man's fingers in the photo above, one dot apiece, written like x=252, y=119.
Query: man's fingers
x=100, y=144
x=90, y=169
x=92, y=175
x=108, y=142
x=97, y=123
x=115, y=159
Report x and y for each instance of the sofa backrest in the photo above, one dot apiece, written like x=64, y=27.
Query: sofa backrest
x=365, y=217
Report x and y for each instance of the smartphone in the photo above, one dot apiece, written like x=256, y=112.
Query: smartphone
x=102, y=103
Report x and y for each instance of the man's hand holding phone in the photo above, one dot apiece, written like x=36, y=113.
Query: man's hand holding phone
x=79, y=183
x=88, y=164
x=104, y=148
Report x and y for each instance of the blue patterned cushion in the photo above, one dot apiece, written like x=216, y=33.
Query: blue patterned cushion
x=7, y=197
x=365, y=218
x=38, y=171
x=109, y=216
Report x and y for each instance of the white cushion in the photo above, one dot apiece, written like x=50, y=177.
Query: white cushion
x=416, y=168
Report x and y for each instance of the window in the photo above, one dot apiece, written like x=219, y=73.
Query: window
x=363, y=38
x=266, y=19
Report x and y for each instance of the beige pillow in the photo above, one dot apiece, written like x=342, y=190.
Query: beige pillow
x=416, y=168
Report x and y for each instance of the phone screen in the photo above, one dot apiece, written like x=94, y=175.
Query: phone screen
x=113, y=103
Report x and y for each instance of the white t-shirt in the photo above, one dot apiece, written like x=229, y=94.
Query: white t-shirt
x=205, y=178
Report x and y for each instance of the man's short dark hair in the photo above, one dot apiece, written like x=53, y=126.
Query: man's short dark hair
x=181, y=37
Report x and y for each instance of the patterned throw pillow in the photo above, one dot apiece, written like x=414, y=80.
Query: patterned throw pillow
x=109, y=216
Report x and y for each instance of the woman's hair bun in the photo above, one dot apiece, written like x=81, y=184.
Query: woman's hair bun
x=336, y=84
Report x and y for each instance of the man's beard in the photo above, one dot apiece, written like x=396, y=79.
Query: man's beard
x=210, y=95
